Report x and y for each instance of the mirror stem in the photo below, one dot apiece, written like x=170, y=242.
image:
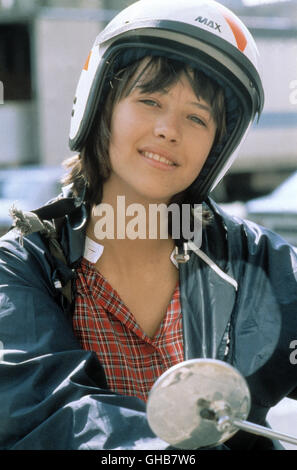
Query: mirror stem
x=262, y=431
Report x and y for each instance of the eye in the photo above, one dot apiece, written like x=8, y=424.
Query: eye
x=149, y=102
x=197, y=120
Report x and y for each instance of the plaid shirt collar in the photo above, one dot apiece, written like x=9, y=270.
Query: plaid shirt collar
x=94, y=250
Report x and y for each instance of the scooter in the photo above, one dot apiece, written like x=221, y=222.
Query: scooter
x=201, y=403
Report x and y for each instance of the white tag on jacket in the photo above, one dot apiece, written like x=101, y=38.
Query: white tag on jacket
x=93, y=250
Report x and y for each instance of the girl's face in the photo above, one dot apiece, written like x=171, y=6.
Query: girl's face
x=159, y=141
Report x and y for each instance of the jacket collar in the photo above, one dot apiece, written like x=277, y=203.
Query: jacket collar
x=70, y=215
x=76, y=224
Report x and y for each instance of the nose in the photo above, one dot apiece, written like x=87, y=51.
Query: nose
x=167, y=127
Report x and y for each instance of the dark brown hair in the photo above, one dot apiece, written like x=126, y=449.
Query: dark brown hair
x=91, y=168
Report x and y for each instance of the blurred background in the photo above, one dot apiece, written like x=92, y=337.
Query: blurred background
x=43, y=47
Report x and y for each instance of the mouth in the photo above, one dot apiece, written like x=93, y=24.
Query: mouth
x=157, y=158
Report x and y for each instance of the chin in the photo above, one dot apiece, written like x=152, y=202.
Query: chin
x=158, y=198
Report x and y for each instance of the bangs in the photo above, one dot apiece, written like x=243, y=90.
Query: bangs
x=156, y=75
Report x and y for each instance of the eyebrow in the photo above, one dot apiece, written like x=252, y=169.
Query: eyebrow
x=201, y=106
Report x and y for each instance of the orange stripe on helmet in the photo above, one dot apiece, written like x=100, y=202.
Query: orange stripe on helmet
x=86, y=66
x=241, y=40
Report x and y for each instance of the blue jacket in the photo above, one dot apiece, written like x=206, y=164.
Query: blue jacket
x=53, y=394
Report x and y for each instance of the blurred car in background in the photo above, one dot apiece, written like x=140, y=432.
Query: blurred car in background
x=27, y=188
x=278, y=210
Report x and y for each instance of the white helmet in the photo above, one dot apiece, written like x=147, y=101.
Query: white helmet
x=201, y=32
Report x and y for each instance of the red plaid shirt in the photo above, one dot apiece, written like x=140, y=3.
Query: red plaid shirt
x=132, y=360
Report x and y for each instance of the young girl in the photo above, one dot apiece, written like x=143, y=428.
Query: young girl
x=163, y=124
x=91, y=315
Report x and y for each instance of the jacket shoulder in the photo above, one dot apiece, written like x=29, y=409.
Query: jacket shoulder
x=29, y=259
x=249, y=237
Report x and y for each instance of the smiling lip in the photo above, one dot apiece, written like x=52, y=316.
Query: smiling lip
x=159, y=159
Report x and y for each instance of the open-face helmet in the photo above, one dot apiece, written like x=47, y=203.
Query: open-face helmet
x=202, y=33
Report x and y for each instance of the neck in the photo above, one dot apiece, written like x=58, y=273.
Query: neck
x=133, y=231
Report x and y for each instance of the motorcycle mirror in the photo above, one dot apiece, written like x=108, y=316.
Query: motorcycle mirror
x=201, y=403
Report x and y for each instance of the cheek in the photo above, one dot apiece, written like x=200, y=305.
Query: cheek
x=199, y=154
x=123, y=117
x=121, y=142
x=123, y=134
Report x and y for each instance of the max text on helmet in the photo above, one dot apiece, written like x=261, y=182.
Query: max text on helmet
x=209, y=23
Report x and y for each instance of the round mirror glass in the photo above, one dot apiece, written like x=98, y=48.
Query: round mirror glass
x=188, y=402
